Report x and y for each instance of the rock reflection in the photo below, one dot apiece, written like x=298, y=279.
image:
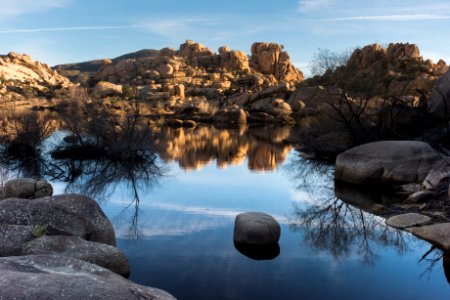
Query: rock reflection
x=265, y=147
x=258, y=252
x=334, y=226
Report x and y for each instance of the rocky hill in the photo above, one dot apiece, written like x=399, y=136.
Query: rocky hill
x=398, y=71
x=20, y=74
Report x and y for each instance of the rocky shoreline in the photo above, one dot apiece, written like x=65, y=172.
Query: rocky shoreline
x=64, y=243
x=415, y=178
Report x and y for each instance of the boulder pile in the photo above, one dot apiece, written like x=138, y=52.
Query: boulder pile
x=47, y=242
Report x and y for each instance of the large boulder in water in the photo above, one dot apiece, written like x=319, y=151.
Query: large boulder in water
x=386, y=163
x=60, y=277
x=100, y=254
x=27, y=188
x=256, y=228
x=60, y=215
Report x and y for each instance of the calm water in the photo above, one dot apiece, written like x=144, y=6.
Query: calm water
x=174, y=220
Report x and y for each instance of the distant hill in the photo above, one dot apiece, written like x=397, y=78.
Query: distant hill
x=78, y=72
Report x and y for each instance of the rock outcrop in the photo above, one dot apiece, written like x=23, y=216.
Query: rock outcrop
x=270, y=59
x=61, y=277
x=105, y=89
x=439, y=102
x=20, y=75
x=397, y=72
x=75, y=215
x=195, y=81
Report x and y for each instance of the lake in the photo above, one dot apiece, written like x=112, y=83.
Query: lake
x=174, y=220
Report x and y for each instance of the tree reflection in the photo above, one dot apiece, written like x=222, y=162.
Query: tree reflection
x=343, y=230
x=331, y=225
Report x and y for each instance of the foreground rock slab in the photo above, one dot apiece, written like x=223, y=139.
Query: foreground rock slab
x=60, y=215
x=386, y=163
x=407, y=220
x=59, y=277
x=100, y=254
x=437, y=234
x=256, y=228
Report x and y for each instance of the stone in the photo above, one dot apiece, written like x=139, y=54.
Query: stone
x=230, y=116
x=103, y=255
x=165, y=70
x=440, y=97
x=278, y=90
x=436, y=234
x=233, y=59
x=269, y=59
x=386, y=163
x=69, y=214
x=27, y=188
x=106, y=89
x=408, y=220
x=438, y=175
x=12, y=237
x=256, y=228
x=61, y=277
x=420, y=196
x=180, y=91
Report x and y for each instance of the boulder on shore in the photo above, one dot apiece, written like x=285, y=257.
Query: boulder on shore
x=386, y=163
x=256, y=228
x=103, y=255
x=60, y=215
x=27, y=188
x=60, y=277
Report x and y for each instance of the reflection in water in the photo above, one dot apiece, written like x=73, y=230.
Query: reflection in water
x=342, y=230
x=265, y=148
x=332, y=225
x=258, y=252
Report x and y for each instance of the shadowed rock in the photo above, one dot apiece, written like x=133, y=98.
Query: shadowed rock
x=12, y=237
x=100, y=254
x=61, y=215
x=59, y=277
x=256, y=228
x=407, y=220
x=437, y=234
x=27, y=188
x=386, y=163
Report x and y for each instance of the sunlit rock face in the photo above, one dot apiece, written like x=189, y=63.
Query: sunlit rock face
x=18, y=71
x=265, y=149
x=269, y=59
x=398, y=70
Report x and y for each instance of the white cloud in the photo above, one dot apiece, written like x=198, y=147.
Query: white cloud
x=311, y=5
x=180, y=28
x=11, y=8
x=398, y=18
x=56, y=29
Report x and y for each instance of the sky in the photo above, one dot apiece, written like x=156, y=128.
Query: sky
x=65, y=31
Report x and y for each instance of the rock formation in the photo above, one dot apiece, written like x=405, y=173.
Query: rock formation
x=269, y=59
x=61, y=277
x=20, y=73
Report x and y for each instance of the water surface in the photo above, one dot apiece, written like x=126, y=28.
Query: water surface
x=174, y=218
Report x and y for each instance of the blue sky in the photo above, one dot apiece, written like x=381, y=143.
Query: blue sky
x=63, y=31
